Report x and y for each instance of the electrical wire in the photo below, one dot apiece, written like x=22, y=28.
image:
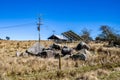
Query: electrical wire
x=14, y=26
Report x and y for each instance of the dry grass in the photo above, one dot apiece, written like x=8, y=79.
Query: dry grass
x=104, y=64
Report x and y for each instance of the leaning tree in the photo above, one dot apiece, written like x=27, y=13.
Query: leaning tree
x=85, y=34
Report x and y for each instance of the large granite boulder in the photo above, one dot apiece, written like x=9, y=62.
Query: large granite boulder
x=35, y=49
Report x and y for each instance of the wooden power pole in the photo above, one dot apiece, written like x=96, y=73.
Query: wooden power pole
x=39, y=24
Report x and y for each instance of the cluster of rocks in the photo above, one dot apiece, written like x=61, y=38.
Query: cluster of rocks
x=83, y=52
x=56, y=50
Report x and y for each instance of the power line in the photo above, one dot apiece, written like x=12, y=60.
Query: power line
x=14, y=26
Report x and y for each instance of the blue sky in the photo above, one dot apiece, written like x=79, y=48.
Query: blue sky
x=18, y=18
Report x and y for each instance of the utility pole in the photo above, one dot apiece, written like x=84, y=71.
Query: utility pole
x=39, y=24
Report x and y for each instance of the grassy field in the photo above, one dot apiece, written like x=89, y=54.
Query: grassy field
x=103, y=65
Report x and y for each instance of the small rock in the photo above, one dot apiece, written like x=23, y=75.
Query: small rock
x=18, y=54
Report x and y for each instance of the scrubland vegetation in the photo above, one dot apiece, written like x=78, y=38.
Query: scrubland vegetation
x=103, y=65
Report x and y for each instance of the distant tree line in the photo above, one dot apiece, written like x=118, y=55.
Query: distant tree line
x=107, y=34
x=6, y=38
x=110, y=35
